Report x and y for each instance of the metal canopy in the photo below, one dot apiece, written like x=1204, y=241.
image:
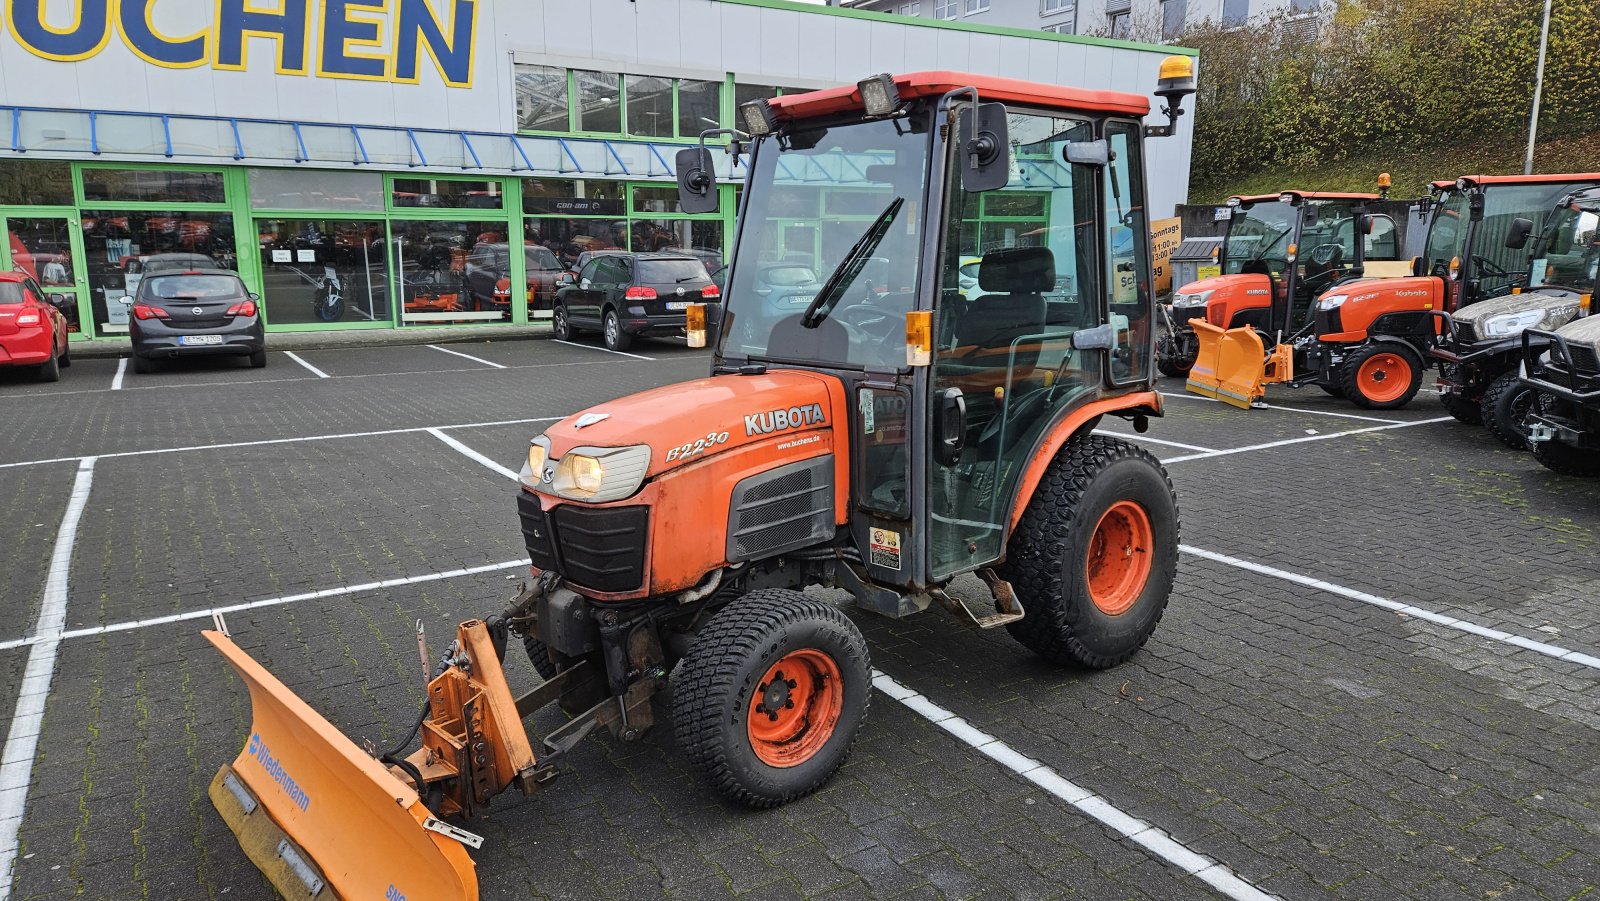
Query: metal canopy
x=80, y=133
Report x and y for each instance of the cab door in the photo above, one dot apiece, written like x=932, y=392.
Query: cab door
x=49, y=248
x=1004, y=367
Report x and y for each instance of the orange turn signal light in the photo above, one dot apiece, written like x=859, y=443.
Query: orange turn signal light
x=1585, y=304
x=919, y=338
x=694, y=316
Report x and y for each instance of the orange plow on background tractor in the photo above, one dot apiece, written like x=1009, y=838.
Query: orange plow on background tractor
x=882, y=442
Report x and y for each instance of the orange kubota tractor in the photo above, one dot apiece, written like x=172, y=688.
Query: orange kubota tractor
x=879, y=441
x=1262, y=264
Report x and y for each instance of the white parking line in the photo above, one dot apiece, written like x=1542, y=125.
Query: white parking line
x=22, y=742
x=1288, y=441
x=1440, y=619
x=606, y=349
x=446, y=350
x=122, y=369
x=1146, y=438
x=1330, y=413
x=41, y=637
x=314, y=370
x=469, y=452
x=1159, y=843
x=231, y=444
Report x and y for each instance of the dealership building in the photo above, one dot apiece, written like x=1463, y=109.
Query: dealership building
x=387, y=163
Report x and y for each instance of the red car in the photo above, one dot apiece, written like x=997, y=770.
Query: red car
x=32, y=332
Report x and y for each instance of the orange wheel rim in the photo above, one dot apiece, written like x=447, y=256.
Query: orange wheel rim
x=1384, y=377
x=1119, y=557
x=796, y=708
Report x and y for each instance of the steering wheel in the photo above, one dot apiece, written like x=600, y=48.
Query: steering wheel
x=1490, y=267
x=1327, y=254
x=864, y=316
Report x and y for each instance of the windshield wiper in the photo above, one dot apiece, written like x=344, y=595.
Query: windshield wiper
x=851, y=266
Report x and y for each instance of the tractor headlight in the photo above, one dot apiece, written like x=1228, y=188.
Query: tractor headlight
x=1509, y=324
x=601, y=474
x=1332, y=301
x=533, y=467
x=1198, y=299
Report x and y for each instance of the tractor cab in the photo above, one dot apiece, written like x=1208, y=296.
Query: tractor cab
x=1280, y=251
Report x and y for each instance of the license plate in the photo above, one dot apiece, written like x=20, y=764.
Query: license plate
x=677, y=305
x=200, y=339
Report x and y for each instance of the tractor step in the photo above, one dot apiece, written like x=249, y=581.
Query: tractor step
x=1010, y=609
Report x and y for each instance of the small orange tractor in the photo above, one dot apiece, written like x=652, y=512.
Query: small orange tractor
x=1263, y=269
x=879, y=442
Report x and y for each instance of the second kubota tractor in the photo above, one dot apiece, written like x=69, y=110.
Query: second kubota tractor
x=880, y=440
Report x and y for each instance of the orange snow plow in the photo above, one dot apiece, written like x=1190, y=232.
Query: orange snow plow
x=315, y=812
x=1233, y=365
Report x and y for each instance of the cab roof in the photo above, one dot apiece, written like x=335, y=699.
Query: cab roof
x=990, y=88
x=1307, y=195
x=1484, y=181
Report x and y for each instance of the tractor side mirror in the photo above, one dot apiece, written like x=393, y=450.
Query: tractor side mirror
x=1088, y=153
x=1517, y=235
x=1475, y=206
x=1312, y=215
x=985, y=148
x=697, y=181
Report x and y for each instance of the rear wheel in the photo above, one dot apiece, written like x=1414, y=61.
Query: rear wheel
x=539, y=656
x=142, y=365
x=1463, y=408
x=1170, y=360
x=1563, y=458
x=258, y=359
x=1095, y=555
x=1382, y=376
x=770, y=696
x=616, y=338
x=1505, y=408
x=560, y=326
x=50, y=370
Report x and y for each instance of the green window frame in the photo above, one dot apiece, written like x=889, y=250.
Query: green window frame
x=725, y=107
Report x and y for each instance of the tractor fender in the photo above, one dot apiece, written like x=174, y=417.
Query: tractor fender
x=1070, y=424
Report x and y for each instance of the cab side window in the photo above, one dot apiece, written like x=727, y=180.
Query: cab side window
x=1127, y=252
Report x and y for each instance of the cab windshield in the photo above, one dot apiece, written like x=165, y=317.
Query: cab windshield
x=1568, y=254
x=1258, y=239
x=1448, y=234
x=813, y=195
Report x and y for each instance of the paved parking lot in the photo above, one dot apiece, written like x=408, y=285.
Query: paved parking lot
x=1379, y=676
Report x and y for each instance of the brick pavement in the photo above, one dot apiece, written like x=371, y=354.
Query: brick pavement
x=1318, y=747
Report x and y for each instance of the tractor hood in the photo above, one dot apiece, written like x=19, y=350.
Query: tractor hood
x=1227, y=284
x=1558, y=305
x=695, y=419
x=1585, y=332
x=1419, y=292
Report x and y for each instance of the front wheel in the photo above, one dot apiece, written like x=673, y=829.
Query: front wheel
x=1095, y=554
x=1505, y=408
x=1382, y=376
x=771, y=695
x=1463, y=408
x=1170, y=359
x=616, y=339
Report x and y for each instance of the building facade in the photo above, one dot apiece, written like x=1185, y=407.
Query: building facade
x=1162, y=20
x=386, y=163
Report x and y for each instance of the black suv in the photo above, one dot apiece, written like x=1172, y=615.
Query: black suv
x=628, y=295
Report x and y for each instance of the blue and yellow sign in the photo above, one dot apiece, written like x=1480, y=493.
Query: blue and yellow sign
x=370, y=40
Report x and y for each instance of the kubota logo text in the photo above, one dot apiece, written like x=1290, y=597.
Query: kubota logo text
x=778, y=420
x=276, y=772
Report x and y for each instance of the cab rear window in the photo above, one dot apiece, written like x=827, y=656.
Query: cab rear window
x=194, y=286
x=668, y=272
x=11, y=292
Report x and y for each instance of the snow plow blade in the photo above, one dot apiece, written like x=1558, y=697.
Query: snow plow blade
x=322, y=819
x=1233, y=366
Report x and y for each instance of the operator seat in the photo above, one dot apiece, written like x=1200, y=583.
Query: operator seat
x=1013, y=307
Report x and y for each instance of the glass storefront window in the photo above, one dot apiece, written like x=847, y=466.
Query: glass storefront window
x=599, y=106
x=699, y=106
x=698, y=237
x=655, y=200
x=447, y=193
x=744, y=93
x=152, y=185
x=451, y=271
x=569, y=238
x=313, y=189
x=322, y=270
x=121, y=247
x=649, y=106
x=571, y=197
x=41, y=247
x=35, y=183
x=541, y=98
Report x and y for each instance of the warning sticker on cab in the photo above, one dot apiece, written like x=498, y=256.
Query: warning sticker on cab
x=885, y=548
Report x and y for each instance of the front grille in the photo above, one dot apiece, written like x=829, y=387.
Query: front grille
x=1328, y=322
x=786, y=509
x=1584, y=360
x=1466, y=332
x=536, y=531
x=1182, y=315
x=602, y=547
